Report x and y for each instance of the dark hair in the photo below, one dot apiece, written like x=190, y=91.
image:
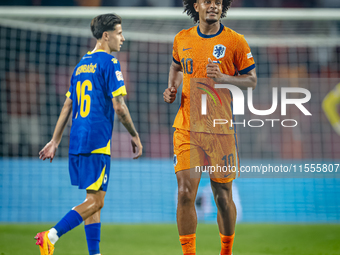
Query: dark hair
x=190, y=10
x=104, y=22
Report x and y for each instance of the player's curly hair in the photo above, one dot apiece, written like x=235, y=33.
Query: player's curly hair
x=190, y=10
x=104, y=22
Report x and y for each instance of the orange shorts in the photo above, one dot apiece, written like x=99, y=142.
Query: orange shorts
x=216, y=154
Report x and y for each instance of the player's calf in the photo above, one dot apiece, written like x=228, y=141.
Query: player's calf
x=223, y=196
x=226, y=216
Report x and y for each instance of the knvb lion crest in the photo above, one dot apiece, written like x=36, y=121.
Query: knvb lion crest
x=219, y=51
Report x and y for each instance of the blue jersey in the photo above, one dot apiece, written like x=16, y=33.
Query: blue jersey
x=95, y=81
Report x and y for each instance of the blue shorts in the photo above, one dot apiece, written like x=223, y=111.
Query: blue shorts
x=90, y=171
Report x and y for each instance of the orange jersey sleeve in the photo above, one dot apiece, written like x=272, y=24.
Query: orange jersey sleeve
x=175, y=56
x=243, y=57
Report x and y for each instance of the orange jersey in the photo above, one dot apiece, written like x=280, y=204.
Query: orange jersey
x=192, y=49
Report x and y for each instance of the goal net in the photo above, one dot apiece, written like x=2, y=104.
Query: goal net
x=39, y=47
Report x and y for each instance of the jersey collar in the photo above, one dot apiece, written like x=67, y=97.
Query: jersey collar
x=209, y=36
x=89, y=52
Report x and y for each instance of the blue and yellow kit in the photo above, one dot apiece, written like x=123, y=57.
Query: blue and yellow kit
x=95, y=81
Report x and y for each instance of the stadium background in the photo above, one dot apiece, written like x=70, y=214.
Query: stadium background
x=39, y=49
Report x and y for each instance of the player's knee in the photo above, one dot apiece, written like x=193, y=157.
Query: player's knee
x=99, y=204
x=185, y=197
x=95, y=204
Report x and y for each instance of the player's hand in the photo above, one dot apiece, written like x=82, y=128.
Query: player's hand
x=169, y=95
x=213, y=70
x=48, y=151
x=137, y=147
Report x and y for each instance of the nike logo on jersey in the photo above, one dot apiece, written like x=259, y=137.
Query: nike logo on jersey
x=186, y=49
x=87, y=57
x=184, y=243
x=226, y=175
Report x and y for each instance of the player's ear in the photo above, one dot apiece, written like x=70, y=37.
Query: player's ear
x=105, y=36
x=196, y=6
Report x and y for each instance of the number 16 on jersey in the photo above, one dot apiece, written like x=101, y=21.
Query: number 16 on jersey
x=84, y=100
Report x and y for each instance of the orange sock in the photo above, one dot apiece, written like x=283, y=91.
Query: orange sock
x=226, y=244
x=188, y=243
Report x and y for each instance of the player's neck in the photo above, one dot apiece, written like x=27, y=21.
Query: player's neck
x=101, y=46
x=209, y=29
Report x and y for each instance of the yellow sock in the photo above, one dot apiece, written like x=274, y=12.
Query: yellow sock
x=188, y=243
x=227, y=244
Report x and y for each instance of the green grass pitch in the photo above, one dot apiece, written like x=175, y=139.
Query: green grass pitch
x=250, y=239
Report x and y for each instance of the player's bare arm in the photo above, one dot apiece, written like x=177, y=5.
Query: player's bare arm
x=175, y=80
x=125, y=118
x=50, y=148
x=244, y=81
